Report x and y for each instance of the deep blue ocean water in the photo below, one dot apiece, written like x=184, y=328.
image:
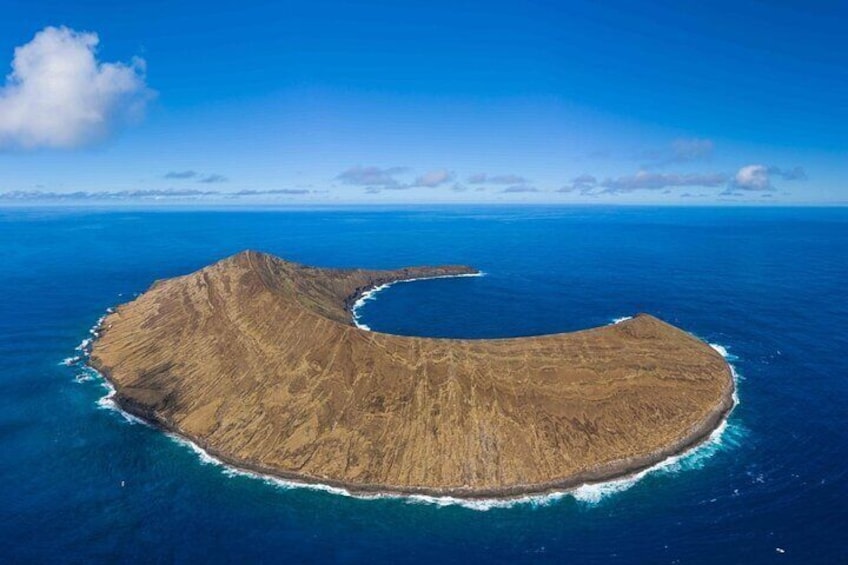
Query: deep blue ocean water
x=79, y=483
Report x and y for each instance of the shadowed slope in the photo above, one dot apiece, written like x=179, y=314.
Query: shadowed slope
x=255, y=359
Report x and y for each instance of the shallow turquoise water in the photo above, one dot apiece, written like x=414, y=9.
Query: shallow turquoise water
x=78, y=482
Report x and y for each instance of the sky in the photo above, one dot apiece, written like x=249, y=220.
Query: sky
x=331, y=102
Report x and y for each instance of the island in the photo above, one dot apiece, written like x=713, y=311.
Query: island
x=256, y=360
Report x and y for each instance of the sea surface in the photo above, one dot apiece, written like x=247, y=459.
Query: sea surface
x=81, y=483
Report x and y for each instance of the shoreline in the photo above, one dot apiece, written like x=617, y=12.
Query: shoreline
x=631, y=469
x=358, y=299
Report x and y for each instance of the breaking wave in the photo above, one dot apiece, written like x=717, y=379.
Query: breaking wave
x=727, y=435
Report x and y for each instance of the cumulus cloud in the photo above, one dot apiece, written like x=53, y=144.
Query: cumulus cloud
x=435, y=178
x=59, y=95
x=583, y=184
x=374, y=178
x=758, y=178
x=752, y=177
x=484, y=178
x=747, y=179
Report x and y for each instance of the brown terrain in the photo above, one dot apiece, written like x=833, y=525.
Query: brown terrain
x=256, y=360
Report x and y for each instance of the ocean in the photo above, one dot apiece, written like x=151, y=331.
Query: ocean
x=79, y=482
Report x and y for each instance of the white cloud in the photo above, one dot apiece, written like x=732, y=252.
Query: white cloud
x=757, y=178
x=374, y=178
x=646, y=180
x=60, y=95
x=584, y=183
x=435, y=178
x=752, y=177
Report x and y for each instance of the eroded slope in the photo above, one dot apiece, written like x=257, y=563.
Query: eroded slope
x=255, y=359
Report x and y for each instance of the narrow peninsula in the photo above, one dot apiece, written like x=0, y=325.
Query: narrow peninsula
x=257, y=360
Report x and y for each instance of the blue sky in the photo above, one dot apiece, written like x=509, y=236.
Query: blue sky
x=387, y=102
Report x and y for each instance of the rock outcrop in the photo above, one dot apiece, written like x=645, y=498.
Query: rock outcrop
x=256, y=360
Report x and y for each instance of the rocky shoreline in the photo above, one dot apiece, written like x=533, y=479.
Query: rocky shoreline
x=407, y=275
x=173, y=414
x=612, y=472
